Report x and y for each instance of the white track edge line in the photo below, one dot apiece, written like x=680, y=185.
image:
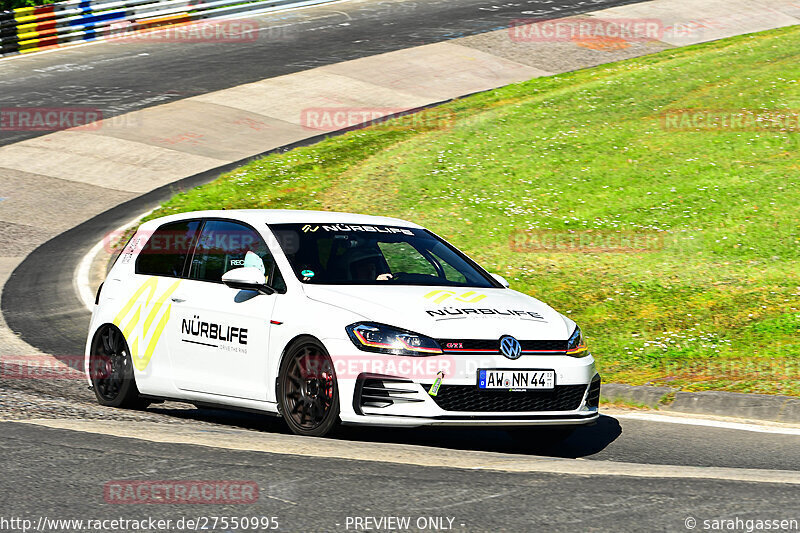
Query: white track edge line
x=409, y=454
x=722, y=424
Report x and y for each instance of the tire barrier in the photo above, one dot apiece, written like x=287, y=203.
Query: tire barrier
x=31, y=29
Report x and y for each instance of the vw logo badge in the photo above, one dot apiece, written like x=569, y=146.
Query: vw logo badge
x=510, y=347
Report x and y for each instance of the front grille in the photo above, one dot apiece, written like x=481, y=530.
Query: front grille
x=493, y=345
x=544, y=346
x=469, y=345
x=382, y=391
x=471, y=398
x=374, y=394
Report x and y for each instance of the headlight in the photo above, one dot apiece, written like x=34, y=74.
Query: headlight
x=576, y=346
x=372, y=337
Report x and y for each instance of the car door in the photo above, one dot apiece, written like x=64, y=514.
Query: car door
x=145, y=299
x=221, y=344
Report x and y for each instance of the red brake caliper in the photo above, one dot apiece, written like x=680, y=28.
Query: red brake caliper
x=328, y=385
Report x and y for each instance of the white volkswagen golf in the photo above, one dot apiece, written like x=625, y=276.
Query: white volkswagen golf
x=327, y=318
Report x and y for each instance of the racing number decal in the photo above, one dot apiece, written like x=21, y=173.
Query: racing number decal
x=128, y=322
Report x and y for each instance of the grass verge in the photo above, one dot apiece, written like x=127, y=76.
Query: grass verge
x=686, y=270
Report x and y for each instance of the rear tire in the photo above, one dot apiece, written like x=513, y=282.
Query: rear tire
x=111, y=371
x=308, y=397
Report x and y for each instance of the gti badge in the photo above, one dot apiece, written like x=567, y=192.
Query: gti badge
x=510, y=347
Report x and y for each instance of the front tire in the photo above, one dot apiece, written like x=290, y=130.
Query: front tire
x=308, y=396
x=111, y=371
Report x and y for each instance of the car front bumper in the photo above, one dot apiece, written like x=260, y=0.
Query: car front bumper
x=377, y=389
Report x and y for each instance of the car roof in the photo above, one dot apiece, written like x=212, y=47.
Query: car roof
x=286, y=216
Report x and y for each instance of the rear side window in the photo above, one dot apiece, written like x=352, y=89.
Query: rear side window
x=167, y=249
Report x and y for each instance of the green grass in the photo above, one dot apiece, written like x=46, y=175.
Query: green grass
x=8, y=5
x=623, y=403
x=714, y=305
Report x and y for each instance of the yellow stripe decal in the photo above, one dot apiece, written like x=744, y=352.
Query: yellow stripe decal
x=471, y=297
x=131, y=323
x=149, y=284
x=150, y=317
x=141, y=363
x=139, y=303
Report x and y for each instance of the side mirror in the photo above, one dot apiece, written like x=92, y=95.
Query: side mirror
x=247, y=279
x=501, y=280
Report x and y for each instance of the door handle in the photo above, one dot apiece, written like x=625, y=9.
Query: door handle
x=177, y=300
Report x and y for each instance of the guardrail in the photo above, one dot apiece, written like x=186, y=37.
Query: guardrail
x=30, y=29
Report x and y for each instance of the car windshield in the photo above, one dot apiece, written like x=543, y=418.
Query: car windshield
x=345, y=254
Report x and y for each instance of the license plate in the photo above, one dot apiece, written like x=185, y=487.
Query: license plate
x=517, y=379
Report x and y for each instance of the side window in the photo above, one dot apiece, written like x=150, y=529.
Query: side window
x=166, y=251
x=222, y=246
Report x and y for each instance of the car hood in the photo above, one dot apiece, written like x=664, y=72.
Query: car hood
x=448, y=312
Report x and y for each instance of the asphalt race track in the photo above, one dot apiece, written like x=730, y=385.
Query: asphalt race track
x=629, y=472
x=42, y=285
x=59, y=473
